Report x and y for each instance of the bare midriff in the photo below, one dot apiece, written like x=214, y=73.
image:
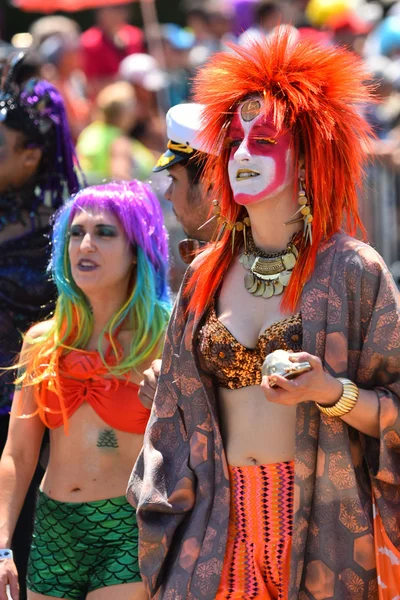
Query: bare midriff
x=92, y=462
x=255, y=431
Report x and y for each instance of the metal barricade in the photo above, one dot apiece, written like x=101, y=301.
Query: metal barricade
x=379, y=202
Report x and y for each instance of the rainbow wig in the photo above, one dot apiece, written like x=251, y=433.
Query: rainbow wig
x=315, y=92
x=146, y=309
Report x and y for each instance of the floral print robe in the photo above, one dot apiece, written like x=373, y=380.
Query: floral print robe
x=180, y=484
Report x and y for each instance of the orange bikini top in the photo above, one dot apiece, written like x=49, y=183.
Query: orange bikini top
x=232, y=364
x=84, y=378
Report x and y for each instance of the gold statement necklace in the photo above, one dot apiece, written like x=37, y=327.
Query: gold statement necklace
x=268, y=274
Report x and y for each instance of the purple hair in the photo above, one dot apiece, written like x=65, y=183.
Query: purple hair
x=51, y=132
x=36, y=109
x=147, y=307
x=139, y=212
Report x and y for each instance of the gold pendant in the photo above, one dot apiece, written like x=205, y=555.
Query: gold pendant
x=269, y=291
x=284, y=277
x=249, y=280
x=254, y=287
x=247, y=260
x=260, y=288
x=289, y=261
x=265, y=268
x=268, y=276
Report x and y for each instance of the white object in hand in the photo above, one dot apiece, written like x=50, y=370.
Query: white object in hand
x=278, y=363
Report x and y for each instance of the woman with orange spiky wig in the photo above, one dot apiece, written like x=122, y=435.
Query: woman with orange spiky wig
x=262, y=487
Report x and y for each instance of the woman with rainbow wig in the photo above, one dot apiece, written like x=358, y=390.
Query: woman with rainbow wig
x=79, y=376
x=276, y=422
x=38, y=172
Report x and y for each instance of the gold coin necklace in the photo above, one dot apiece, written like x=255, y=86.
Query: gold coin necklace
x=269, y=273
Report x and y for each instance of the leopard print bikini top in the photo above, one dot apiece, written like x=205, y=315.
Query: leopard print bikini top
x=236, y=366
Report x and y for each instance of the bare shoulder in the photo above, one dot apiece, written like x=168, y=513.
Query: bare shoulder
x=37, y=330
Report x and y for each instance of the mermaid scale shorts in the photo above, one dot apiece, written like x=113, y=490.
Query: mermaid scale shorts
x=79, y=547
x=257, y=557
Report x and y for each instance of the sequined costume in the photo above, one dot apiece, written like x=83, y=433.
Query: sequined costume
x=26, y=295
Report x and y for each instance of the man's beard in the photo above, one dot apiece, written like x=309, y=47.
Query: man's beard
x=194, y=203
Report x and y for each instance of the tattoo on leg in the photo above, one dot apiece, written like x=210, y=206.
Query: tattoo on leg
x=107, y=439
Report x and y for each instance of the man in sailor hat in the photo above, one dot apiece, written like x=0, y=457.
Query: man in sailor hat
x=184, y=160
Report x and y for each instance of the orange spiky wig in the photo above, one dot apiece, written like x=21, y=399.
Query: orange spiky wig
x=316, y=92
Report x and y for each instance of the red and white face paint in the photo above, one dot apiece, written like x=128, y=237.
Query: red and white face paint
x=260, y=159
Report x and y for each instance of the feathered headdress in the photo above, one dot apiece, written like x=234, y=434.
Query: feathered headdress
x=318, y=93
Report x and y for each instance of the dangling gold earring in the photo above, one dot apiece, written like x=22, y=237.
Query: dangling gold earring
x=304, y=210
x=216, y=213
x=225, y=224
x=233, y=228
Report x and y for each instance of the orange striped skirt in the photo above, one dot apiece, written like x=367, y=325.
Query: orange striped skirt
x=387, y=560
x=257, y=557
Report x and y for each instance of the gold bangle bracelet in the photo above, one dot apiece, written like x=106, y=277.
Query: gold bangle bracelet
x=346, y=402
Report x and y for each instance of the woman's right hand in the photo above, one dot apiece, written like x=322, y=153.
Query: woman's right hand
x=8, y=576
x=147, y=387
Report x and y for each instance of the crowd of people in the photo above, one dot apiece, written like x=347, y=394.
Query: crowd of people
x=67, y=57
x=149, y=451
x=120, y=129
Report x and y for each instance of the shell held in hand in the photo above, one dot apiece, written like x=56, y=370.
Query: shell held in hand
x=278, y=363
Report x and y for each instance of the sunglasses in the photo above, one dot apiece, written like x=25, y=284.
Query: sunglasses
x=189, y=249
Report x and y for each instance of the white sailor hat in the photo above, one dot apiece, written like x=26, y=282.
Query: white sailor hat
x=183, y=127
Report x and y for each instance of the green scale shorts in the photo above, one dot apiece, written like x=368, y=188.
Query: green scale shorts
x=79, y=547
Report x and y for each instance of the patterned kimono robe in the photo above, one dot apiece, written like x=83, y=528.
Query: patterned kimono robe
x=180, y=485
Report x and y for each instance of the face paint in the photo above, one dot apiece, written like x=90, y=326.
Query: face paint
x=260, y=159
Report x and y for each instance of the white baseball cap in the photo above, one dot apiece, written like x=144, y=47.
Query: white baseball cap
x=184, y=123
